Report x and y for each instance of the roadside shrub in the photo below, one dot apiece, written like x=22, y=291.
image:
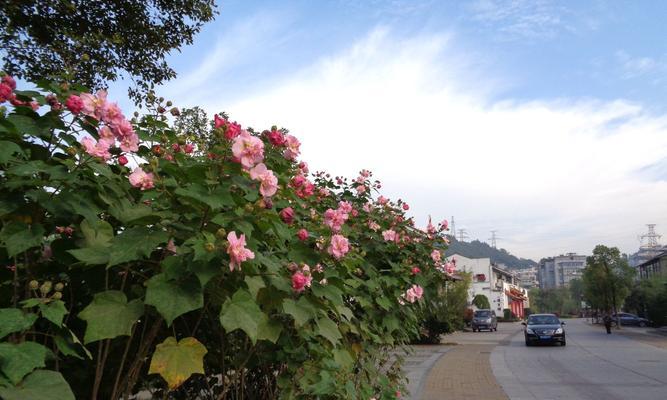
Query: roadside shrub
x=137, y=257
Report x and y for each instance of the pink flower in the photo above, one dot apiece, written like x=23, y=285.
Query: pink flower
x=406, y=207
x=430, y=229
x=436, y=256
x=360, y=189
x=344, y=206
x=237, y=251
x=9, y=81
x=415, y=270
x=93, y=105
x=300, y=281
x=140, y=179
x=334, y=219
x=105, y=132
x=74, y=104
x=389, y=235
x=276, y=138
x=382, y=200
x=268, y=181
x=413, y=294
x=171, y=247
x=248, y=150
x=123, y=128
x=302, y=234
x=292, y=151
x=366, y=207
x=6, y=93
x=122, y=160
x=373, y=225
x=130, y=144
x=232, y=129
x=287, y=215
x=444, y=225
x=339, y=246
x=188, y=148
x=97, y=149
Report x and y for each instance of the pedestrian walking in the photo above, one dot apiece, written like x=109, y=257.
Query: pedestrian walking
x=607, y=323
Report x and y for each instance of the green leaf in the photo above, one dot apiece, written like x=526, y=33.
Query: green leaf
x=97, y=233
x=254, y=284
x=343, y=358
x=329, y=330
x=330, y=292
x=24, y=124
x=205, y=271
x=126, y=212
x=269, y=329
x=7, y=150
x=18, y=360
x=302, y=311
x=177, y=361
x=174, y=298
x=135, y=243
x=40, y=385
x=54, y=311
x=110, y=315
x=18, y=237
x=215, y=199
x=91, y=255
x=66, y=348
x=14, y=320
x=241, y=312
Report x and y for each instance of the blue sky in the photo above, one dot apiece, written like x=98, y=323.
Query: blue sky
x=543, y=120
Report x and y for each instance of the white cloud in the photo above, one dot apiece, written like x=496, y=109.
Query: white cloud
x=634, y=67
x=551, y=175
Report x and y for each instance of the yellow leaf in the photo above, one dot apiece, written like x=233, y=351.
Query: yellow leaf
x=177, y=361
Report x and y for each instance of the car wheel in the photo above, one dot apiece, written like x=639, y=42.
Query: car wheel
x=474, y=330
x=562, y=343
x=527, y=343
x=642, y=324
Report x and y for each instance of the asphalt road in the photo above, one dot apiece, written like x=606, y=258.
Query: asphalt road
x=593, y=366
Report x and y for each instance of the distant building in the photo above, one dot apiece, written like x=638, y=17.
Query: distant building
x=528, y=277
x=499, y=285
x=554, y=272
x=656, y=266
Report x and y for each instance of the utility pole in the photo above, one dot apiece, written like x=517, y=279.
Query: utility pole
x=463, y=235
x=493, y=239
x=652, y=237
x=453, y=230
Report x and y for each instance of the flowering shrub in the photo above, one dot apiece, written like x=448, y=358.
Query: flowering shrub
x=138, y=258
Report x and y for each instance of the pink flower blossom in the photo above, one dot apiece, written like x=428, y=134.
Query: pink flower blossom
x=231, y=129
x=248, y=149
x=382, y=200
x=373, y=225
x=339, y=246
x=276, y=138
x=292, y=151
x=122, y=160
x=389, y=235
x=268, y=181
x=406, y=207
x=430, y=229
x=360, y=189
x=415, y=270
x=171, y=247
x=344, y=206
x=97, y=149
x=74, y=104
x=237, y=251
x=105, y=133
x=302, y=234
x=6, y=93
x=300, y=281
x=334, y=219
x=9, y=81
x=287, y=215
x=188, y=148
x=130, y=144
x=366, y=207
x=140, y=179
x=444, y=225
x=436, y=256
x=413, y=294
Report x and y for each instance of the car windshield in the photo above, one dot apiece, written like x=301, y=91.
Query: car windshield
x=482, y=314
x=542, y=320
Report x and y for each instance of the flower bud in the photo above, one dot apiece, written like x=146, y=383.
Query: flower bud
x=46, y=287
x=209, y=247
x=57, y=296
x=169, y=103
x=221, y=233
x=59, y=287
x=33, y=285
x=71, y=151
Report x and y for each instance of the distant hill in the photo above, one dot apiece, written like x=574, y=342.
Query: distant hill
x=477, y=249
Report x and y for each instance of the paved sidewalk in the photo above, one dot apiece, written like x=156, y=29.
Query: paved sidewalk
x=465, y=372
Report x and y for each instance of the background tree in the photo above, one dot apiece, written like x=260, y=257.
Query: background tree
x=482, y=302
x=95, y=41
x=607, y=278
x=648, y=298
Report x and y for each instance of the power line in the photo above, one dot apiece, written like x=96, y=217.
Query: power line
x=493, y=239
x=652, y=237
x=463, y=235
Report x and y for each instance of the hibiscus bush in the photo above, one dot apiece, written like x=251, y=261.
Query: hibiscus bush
x=141, y=260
